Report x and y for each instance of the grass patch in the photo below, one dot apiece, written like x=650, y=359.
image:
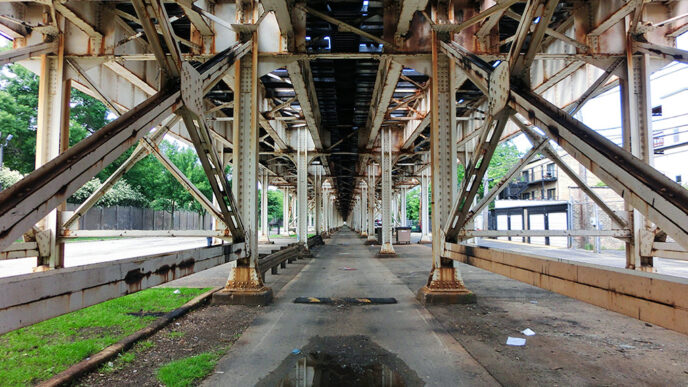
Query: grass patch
x=123, y=359
x=37, y=352
x=183, y=372
x=175, y=335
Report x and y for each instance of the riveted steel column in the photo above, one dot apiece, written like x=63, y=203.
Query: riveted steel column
x=52, y=138
x=444, y=283
x=402, y=200
x=285, y=211
x=302, y=187
x=364, y=209
x=637, y=136
x=245, y=285
x=372, y=170
x=425, y=205
x=318, y=201
x=386, y=142
x=264, y=231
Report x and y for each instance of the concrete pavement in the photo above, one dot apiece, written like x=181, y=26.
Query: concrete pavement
x=406, y=330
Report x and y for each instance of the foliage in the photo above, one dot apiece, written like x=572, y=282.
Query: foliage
x=37, y=352
x=121, y=194
x=413, y=204
x=183, y=372
x=168, y=194
x=9, y=177
x=274, y=205
x=19, y=110
x=147, y=182
x=505, y=156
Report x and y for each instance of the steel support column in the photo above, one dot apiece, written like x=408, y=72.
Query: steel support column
x=425, y=206
x=402, y=193
x=302, y=187
x=371, y=204
x=444, y=283
x=318, y=201
x=637, y=138
x=364, y=209
x=386, y=161
x=264, y=230
x=245, y=284
x=52, y=138
x=285, y=211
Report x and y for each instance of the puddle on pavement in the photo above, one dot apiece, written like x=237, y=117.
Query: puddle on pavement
x=342, y=361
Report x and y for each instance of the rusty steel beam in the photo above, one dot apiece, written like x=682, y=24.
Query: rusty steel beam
x=31, y=199
x=660, y=199
x=27, y=52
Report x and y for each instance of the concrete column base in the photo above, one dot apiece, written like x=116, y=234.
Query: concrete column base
x=445, y=287
x=425, y=239
x=428, y=296
x=244, y=287
x=364, y=234
x=371, y=241
x=386, y=251
x=254, y=297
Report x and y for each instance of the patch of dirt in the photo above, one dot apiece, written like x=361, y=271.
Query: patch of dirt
x=575, y=343
x=209, y=328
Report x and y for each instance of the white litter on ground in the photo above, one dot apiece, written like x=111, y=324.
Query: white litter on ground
x=515, y=341
x=528, y=332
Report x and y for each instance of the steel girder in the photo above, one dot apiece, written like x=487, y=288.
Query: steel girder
x=26, y=202
x=650, y=192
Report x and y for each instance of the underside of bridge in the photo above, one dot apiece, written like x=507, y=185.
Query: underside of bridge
x=343, y=104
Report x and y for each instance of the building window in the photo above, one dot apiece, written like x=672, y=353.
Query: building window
x=679, y=179
x=552, y=194
x=524, y=175
x=550, y=170
x=525, y=196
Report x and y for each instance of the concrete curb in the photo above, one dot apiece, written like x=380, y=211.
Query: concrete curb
x=111, y=351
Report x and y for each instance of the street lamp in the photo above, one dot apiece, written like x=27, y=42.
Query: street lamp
x=3, y=145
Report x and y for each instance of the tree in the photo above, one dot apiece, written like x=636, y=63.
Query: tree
x=274, y=205
x=121, y=194
x=413, y=204
x=19, y=116
x=505, y=156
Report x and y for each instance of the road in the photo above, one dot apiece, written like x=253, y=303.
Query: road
x=82, y=253
x=409, y=341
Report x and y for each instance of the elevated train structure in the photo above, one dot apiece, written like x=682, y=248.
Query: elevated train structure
x=343, y=101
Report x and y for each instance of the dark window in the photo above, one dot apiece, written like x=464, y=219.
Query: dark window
x=550, y=170
x=678, y=178
x=524, y=174
x=657, y=111
x=552, y=193
x=525, y=196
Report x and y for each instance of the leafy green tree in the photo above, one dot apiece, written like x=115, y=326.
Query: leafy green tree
x=274, y=205
x=413, y=204
x=121, y=194
x=19, y=116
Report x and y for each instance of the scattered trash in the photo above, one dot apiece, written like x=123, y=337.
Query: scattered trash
x=296, y=351
x=347, y=268
x=626, y=346
x=110, y=364
x=533, y=301
x=176, y=291
x=648, y=324
x=219, y=372
x=528, y=332
x=515, y=341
